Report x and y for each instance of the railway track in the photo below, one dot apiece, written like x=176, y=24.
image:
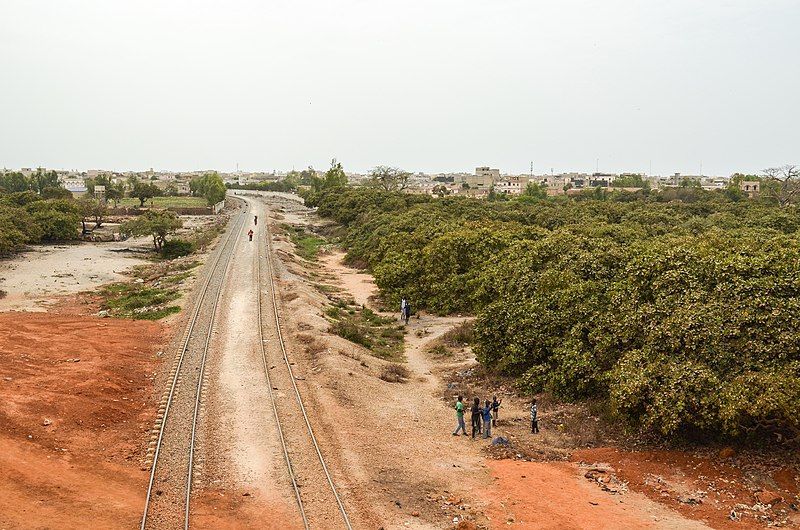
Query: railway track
x=316, y=495
x=171, y=475
x=170, y=485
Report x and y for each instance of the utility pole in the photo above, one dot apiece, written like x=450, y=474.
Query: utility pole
x=531, y=168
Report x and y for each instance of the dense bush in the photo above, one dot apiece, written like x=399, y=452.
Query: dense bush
x=678, y=310
x=27, y=218
x=175, y=248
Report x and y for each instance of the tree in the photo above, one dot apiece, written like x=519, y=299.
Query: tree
x=209, y=186
x=92, y=209
x=335, y=176
x=115, y=192
x=43, y=179
x=630, y=181
x=56, y=192
x=57, y=219
x=782, y=183
x=536, y=191
x=143, y=191
x=14, y=182
x=440, y=190
x=155, y=223
x=389, y=178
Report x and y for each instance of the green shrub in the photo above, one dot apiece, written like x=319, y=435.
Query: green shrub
x=675, y=310
x=175, y=248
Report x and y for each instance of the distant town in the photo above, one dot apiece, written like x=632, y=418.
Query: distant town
x=481, y=183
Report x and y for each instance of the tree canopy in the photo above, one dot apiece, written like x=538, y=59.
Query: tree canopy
x=676, y=310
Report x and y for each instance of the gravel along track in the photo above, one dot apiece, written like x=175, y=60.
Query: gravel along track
x=317, y=496
x=168, y=492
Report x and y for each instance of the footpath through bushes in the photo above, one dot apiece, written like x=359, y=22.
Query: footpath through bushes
x=677, y=312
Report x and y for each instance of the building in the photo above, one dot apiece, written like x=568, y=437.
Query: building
x=750, y=187
x=484, y=178
x=512, y=185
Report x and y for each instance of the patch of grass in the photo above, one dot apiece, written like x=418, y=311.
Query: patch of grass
x=440, y=350
x=459, y=336
x=166, y=202
x=394, y=373
x=2, y=294
x=176, y=278
x=380, y=335
x=149, y=296
x=306, y=245
x=352, y=331
x=137, y=301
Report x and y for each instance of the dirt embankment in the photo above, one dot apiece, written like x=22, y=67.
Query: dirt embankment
x=77, y=405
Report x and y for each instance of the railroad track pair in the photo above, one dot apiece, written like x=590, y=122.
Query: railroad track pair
x=171, y=473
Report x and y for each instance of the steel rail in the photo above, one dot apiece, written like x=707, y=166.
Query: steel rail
x=270, y=270
x=199, y=391
x=272, y=396
x=184, y=348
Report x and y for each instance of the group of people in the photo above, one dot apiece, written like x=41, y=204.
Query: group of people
x=250, y=232
x=485, y=417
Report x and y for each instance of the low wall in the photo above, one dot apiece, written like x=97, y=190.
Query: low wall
x=205, y=210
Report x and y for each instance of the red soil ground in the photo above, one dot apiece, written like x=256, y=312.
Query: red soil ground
x=77, y=401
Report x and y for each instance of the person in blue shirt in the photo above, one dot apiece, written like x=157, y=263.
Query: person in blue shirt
x=487, y=419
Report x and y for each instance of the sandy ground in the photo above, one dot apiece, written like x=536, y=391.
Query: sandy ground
x=32, y=279
x=77, y=404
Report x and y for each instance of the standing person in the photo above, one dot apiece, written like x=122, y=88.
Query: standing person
x=403, y=304
x=407, y=316
x=487, y=419
x=476, y=417
x=460, y=417
x=495, y=406
x=250, y=234
x=534, y=417
x=255, y=219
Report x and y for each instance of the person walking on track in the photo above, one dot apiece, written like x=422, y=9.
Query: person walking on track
x=250, y=234
x=255, y=219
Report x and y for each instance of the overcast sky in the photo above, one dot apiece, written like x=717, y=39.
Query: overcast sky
x=432, y=85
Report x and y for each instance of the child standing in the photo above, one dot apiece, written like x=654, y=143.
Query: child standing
x=534, y=418
x=476, y=416
x=460, y=417
x=495, y=406
x=487, y=419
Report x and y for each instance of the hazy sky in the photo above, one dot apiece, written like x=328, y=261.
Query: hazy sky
x=424, y=85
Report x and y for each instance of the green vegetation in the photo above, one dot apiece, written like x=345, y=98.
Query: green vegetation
x=167, y=202
x=175, y=248
x=360, y=325
x=157, y=224
x=210, y=187
x=307, y=245
x=27, y=218
x=149, y=297
x=676, y=311
x=131, y=300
